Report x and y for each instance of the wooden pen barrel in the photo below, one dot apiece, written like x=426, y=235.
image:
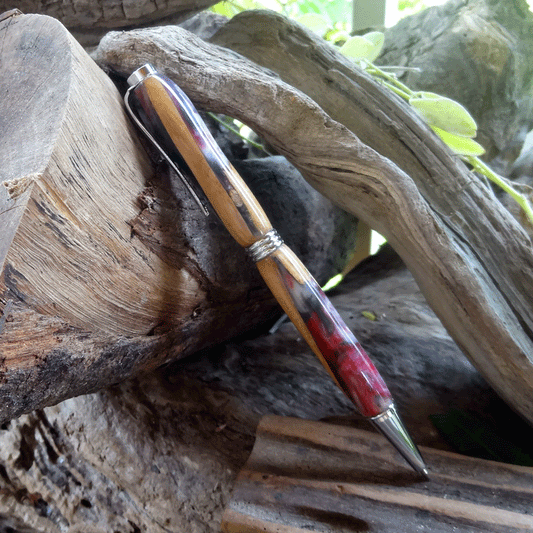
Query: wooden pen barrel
x=177, y=126
x=168, y=109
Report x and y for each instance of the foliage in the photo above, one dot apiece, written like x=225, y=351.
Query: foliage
x=447, y=118
x=329, y=18
x=410, y=7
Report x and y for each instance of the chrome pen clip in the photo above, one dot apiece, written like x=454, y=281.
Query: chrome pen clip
x=150, y=137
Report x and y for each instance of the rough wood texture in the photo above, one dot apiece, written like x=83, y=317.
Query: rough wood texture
x=72, y=174
x=161, y=452
x=309, y=476
x=472, y=260
x=109, y=268
x=89, y=20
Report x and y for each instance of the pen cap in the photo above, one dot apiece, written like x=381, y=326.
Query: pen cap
x=141, y=74
x=170, y=118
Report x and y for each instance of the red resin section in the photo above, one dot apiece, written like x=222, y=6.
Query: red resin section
x=352, y=367
x=347, y=359
x=349, y=363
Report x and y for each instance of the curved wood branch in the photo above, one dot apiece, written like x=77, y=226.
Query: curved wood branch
x=472, y=260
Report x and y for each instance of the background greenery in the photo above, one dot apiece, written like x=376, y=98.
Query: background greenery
x=336, y=14
x=449, y=119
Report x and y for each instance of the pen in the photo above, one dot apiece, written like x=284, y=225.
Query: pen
x=170, y=121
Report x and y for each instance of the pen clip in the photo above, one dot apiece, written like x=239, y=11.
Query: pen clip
x=150, y=137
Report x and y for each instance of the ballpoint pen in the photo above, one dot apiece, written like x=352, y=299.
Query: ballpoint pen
x=170, y=121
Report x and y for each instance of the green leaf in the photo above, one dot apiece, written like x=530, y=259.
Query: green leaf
x=444, y=113
x=225, y=9
x=306, y=6
x=458, y=144
x=376, y=37
x=335, y=36
x=315, y=22
x=333, y=282
x=359, y=47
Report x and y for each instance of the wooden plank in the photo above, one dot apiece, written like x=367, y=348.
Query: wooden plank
x=311, y=476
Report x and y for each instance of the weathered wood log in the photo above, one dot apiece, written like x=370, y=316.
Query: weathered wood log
x=472, y=260
x=309, y=476
x=89, y=21
x=161, y=452
x=111, y=269
x=74, y=227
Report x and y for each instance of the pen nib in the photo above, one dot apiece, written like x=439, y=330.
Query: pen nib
x=390, y=424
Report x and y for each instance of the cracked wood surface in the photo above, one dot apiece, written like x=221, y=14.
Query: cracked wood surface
x=310, y=476
x=369, y=152
x=160, y=452
x=102, y=261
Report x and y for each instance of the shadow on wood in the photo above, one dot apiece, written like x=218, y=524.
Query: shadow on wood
x=109, y=265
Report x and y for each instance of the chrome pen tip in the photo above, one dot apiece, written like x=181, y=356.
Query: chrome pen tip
x=391, y=426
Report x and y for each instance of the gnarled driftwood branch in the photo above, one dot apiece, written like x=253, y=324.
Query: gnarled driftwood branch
x=378, y=160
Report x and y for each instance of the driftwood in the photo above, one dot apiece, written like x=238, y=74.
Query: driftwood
x=371, y=154
x=106, y=268
x=161, y=452
x=309, y=476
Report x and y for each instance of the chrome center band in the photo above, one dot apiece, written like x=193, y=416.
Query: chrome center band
x=262, y=248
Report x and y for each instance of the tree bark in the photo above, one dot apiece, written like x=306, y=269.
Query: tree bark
x=378, y=160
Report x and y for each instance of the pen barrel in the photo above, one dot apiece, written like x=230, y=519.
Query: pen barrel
x=171, y=118
x=324, y=330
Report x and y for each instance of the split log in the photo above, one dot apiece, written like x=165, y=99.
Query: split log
x=308, y=476
x=161, y=452
x=369, y=152
x=112, y=269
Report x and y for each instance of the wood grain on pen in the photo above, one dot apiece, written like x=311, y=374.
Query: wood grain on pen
x=271, y=273
x=228, y=194
x=324, y=330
